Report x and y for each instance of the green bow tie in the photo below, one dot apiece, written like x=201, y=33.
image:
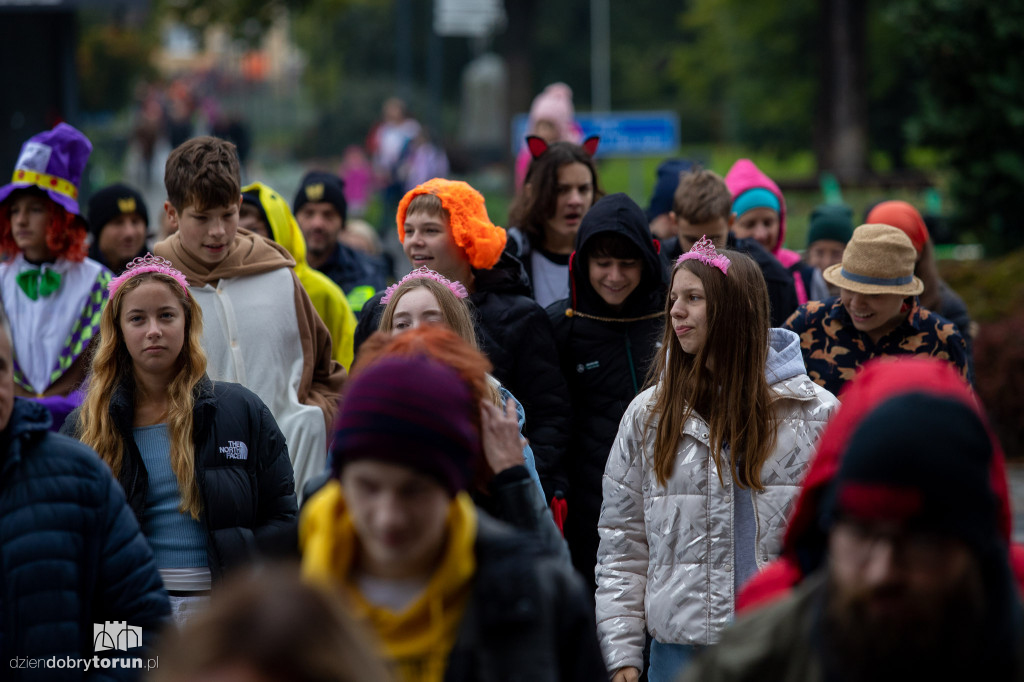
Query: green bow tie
x=36, y=283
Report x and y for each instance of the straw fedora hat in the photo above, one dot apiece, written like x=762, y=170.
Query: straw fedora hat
x=879, y=259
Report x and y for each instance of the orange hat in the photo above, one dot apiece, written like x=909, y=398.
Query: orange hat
x=473, y=231
x=904, y=216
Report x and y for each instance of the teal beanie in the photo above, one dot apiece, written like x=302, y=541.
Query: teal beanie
x=831, y=221
x=759, y=197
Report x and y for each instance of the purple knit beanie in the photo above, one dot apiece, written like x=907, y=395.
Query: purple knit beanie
x=413, y=412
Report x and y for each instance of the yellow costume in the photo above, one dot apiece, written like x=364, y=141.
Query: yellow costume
x=327, y=297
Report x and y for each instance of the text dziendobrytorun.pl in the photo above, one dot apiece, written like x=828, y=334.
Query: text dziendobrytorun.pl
x=85, y=664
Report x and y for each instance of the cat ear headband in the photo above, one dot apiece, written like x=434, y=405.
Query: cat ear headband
x=538, y=145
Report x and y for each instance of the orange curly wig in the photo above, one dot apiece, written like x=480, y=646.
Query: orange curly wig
x=473, y=231
x=65, y=234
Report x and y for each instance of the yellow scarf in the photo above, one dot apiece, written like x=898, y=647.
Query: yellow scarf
x=416, y=641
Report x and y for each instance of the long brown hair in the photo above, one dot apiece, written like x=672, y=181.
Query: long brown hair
x=733, y=397
x=112, y=367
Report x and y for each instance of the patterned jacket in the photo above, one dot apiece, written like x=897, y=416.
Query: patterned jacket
x=666, y=557
x=834, y=349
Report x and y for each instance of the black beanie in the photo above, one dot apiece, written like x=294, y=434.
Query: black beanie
x=923, y=460
x=252, y=198
x=112, y=202
x=319, y=186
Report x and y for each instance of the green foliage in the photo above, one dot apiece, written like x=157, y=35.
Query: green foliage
x=248, y=19
x=746, y=72
x=972, y=103
x=111, y=60
x=999, y=374
x=343, y=37
x=992, y=289
x=642, y=53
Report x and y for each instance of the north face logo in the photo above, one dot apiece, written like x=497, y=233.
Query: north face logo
x=235, y=449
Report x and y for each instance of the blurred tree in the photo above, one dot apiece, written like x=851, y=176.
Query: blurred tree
x=111, y=60
x=248, y=18
x=641, y=54
x=518, y=46
x=841, y=125
x=747, y=73
x=548, y=42
x=972, y=104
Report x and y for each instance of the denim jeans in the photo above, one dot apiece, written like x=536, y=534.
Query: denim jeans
x=668, y=661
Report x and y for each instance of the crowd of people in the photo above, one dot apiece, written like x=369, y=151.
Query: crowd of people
x=575, y=449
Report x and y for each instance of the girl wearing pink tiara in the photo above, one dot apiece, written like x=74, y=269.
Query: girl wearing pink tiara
x=203, y=464
x=705, y=466
x=51, y=292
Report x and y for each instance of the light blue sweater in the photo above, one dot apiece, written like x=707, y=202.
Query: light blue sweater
x=177, y=540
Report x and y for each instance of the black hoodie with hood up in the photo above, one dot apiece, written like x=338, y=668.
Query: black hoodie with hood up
x=605, y=355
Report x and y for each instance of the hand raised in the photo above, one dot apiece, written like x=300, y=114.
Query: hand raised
x=502, y=444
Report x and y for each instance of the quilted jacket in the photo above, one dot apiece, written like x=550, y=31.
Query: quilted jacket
x=71, y=556
x=667, y=554
x=246, y=495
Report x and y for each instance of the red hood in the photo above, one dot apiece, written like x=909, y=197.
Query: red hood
x=879, y=380
x=745, y=175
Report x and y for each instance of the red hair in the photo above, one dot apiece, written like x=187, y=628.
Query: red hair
x=65, y=235
x=445, y=347
x=437, y=343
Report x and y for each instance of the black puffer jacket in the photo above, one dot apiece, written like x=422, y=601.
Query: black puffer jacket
x=605, y=356
x=515, y=334
x=527, y=616
x=781, y=291
x=243, y=472
x=71, y=554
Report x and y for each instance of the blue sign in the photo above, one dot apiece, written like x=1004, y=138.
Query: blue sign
x=622, y=133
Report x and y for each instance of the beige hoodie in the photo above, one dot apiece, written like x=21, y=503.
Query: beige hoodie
x=274, y=344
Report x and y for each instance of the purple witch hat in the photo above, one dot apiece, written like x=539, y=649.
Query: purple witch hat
x=52, y=161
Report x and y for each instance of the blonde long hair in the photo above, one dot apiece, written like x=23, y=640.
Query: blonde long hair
x=734, y=398
x=112, y=367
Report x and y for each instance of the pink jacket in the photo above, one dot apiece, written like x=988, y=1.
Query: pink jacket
x=745, y=175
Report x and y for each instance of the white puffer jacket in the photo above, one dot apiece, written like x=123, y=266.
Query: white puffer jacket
x=667, y=554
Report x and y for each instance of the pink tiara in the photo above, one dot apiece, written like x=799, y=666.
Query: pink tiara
x=148, y=263
x=704, y=251
x=423, y=272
